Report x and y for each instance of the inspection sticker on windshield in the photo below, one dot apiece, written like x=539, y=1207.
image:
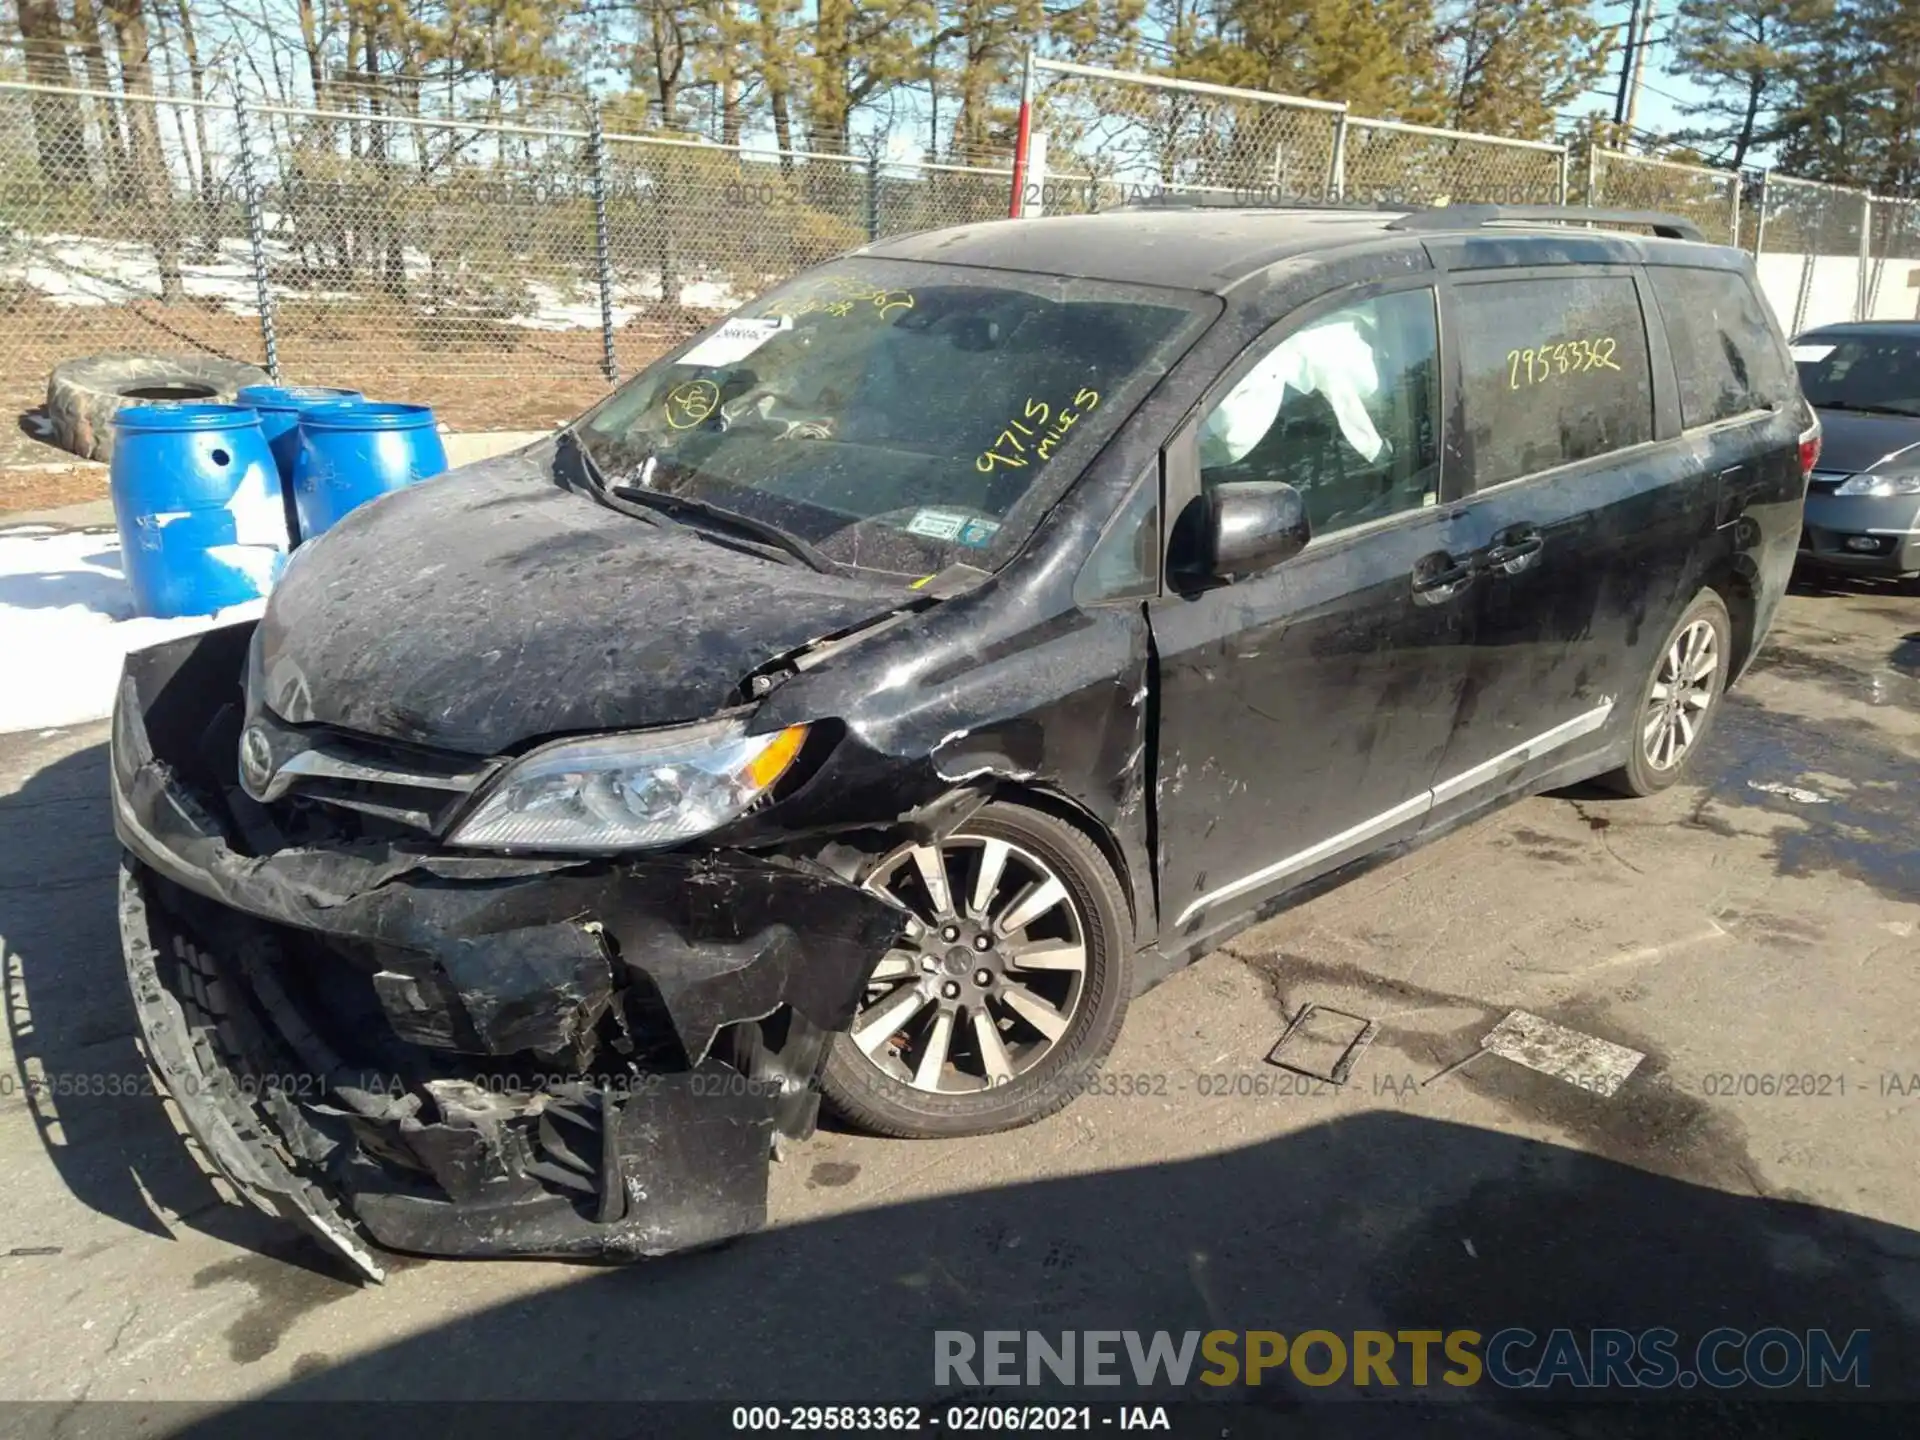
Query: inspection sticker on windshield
x=937, y=524
x=734, y=341
x=1810, y=353
x=952, y=525
x=977, y=532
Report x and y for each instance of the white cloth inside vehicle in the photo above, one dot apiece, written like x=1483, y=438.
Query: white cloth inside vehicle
x=1334, y=359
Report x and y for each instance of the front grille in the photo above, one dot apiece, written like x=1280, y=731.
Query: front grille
x=1825, y=482
x=405, y=784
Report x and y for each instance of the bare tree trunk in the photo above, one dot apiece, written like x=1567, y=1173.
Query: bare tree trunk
x=730, y=107
x=396, y=206
x=197, y=84
x=148, y=164
x=59, y=131
x=189, y=157
x=976, y=81
x=113, y=125
x=773, y=69
x=353, y=46
x=1756, y=89
x=310, y=41
x=376, y=148
x=832, y=107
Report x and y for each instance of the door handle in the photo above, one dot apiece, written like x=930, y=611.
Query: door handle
x=1514, y=551
x=1439, y=577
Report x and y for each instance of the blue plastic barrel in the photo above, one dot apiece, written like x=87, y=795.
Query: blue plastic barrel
x=357, y=451
x=280, y=407
x=198, y=504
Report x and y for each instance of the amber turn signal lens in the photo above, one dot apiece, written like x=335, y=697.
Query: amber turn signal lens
x=771, y=763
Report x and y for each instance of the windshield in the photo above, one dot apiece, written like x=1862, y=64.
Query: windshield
x=1860, y=372
x=898, y=416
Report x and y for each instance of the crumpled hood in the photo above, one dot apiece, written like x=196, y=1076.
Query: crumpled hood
x=489, y=607
x=1851, y=442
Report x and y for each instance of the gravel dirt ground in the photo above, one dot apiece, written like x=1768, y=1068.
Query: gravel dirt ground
x=1761, y=923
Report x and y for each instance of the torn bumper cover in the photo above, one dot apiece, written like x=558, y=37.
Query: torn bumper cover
x=464, y=1054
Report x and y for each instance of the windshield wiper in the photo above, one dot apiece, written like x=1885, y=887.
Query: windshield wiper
x=1862, y=408
x=587, y=476
x=732, y=519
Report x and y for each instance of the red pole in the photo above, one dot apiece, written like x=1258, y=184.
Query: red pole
x=1023, y=137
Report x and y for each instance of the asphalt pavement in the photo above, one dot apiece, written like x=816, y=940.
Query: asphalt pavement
x=1751, y=938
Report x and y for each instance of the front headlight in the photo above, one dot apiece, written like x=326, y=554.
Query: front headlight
x=1869, y=484
x=629, y=792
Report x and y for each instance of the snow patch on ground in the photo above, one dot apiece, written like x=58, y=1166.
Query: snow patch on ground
x=77, y=270
x=67, y=623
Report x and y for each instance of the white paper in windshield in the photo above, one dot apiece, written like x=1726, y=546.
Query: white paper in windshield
x=734, y=341
x=1811, y=353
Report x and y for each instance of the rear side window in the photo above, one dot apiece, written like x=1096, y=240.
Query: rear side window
x=1553, y=371
x=1724, y=352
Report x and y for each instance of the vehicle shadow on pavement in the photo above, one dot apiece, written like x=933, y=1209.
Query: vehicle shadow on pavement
x=1379, y=1220
x=70, y=1021
x=1829, y=584
x=1384, y=1220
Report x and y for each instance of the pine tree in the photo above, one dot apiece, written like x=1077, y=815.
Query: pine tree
x=1746, y=54
x=1512, y=65
x=1378, y=55
x=1851, y=118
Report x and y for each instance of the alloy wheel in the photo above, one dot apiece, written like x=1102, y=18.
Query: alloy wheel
x=1682, y=692
x=989, y=975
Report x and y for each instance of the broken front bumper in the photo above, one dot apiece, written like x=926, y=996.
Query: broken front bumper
x=464, y=1054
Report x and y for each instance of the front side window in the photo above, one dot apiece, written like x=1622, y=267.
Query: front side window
x=1874, y=372
x=1553, y=371
x=1345, y=409
x=1125, y=563
x=1725, y=356
x=899, y=416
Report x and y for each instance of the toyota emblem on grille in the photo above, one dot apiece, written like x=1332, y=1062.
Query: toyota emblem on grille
x=256, y=760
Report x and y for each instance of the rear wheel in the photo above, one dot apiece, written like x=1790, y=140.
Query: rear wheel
x=1679, y=699
x=1009, y=986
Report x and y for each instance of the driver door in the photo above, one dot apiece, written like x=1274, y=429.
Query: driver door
x=1303, y=712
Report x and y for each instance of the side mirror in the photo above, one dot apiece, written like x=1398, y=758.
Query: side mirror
x=1251, y=526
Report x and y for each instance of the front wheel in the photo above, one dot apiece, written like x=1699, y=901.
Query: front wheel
x=1007, y=989
x=1679, y=699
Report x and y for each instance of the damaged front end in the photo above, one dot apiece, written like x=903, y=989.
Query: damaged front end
x=463, y=1054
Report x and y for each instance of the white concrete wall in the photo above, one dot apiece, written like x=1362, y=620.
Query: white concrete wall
x=1895, y=294
x=1832, y=293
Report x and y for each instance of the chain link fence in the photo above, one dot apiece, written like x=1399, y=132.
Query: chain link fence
x=1811, y=249
x=505, y=268
x=1824, y=253
x=119, y=230
x=1388, y=163
x=1709, y=198
x=1122, y=136
x=501, y=271
x=1892, y=278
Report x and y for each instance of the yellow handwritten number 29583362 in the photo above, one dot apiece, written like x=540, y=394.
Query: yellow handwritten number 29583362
x=1569, y=357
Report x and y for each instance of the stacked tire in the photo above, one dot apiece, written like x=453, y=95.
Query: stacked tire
x=84, y=395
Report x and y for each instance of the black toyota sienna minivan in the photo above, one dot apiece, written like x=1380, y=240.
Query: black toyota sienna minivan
x=869, y=698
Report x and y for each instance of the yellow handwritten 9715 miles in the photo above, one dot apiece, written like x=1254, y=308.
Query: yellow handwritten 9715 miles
x=1569, y=357
x=1007, y=448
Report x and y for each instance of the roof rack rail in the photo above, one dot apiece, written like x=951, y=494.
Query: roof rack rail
x=1252, y=198
x=1473, y=217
